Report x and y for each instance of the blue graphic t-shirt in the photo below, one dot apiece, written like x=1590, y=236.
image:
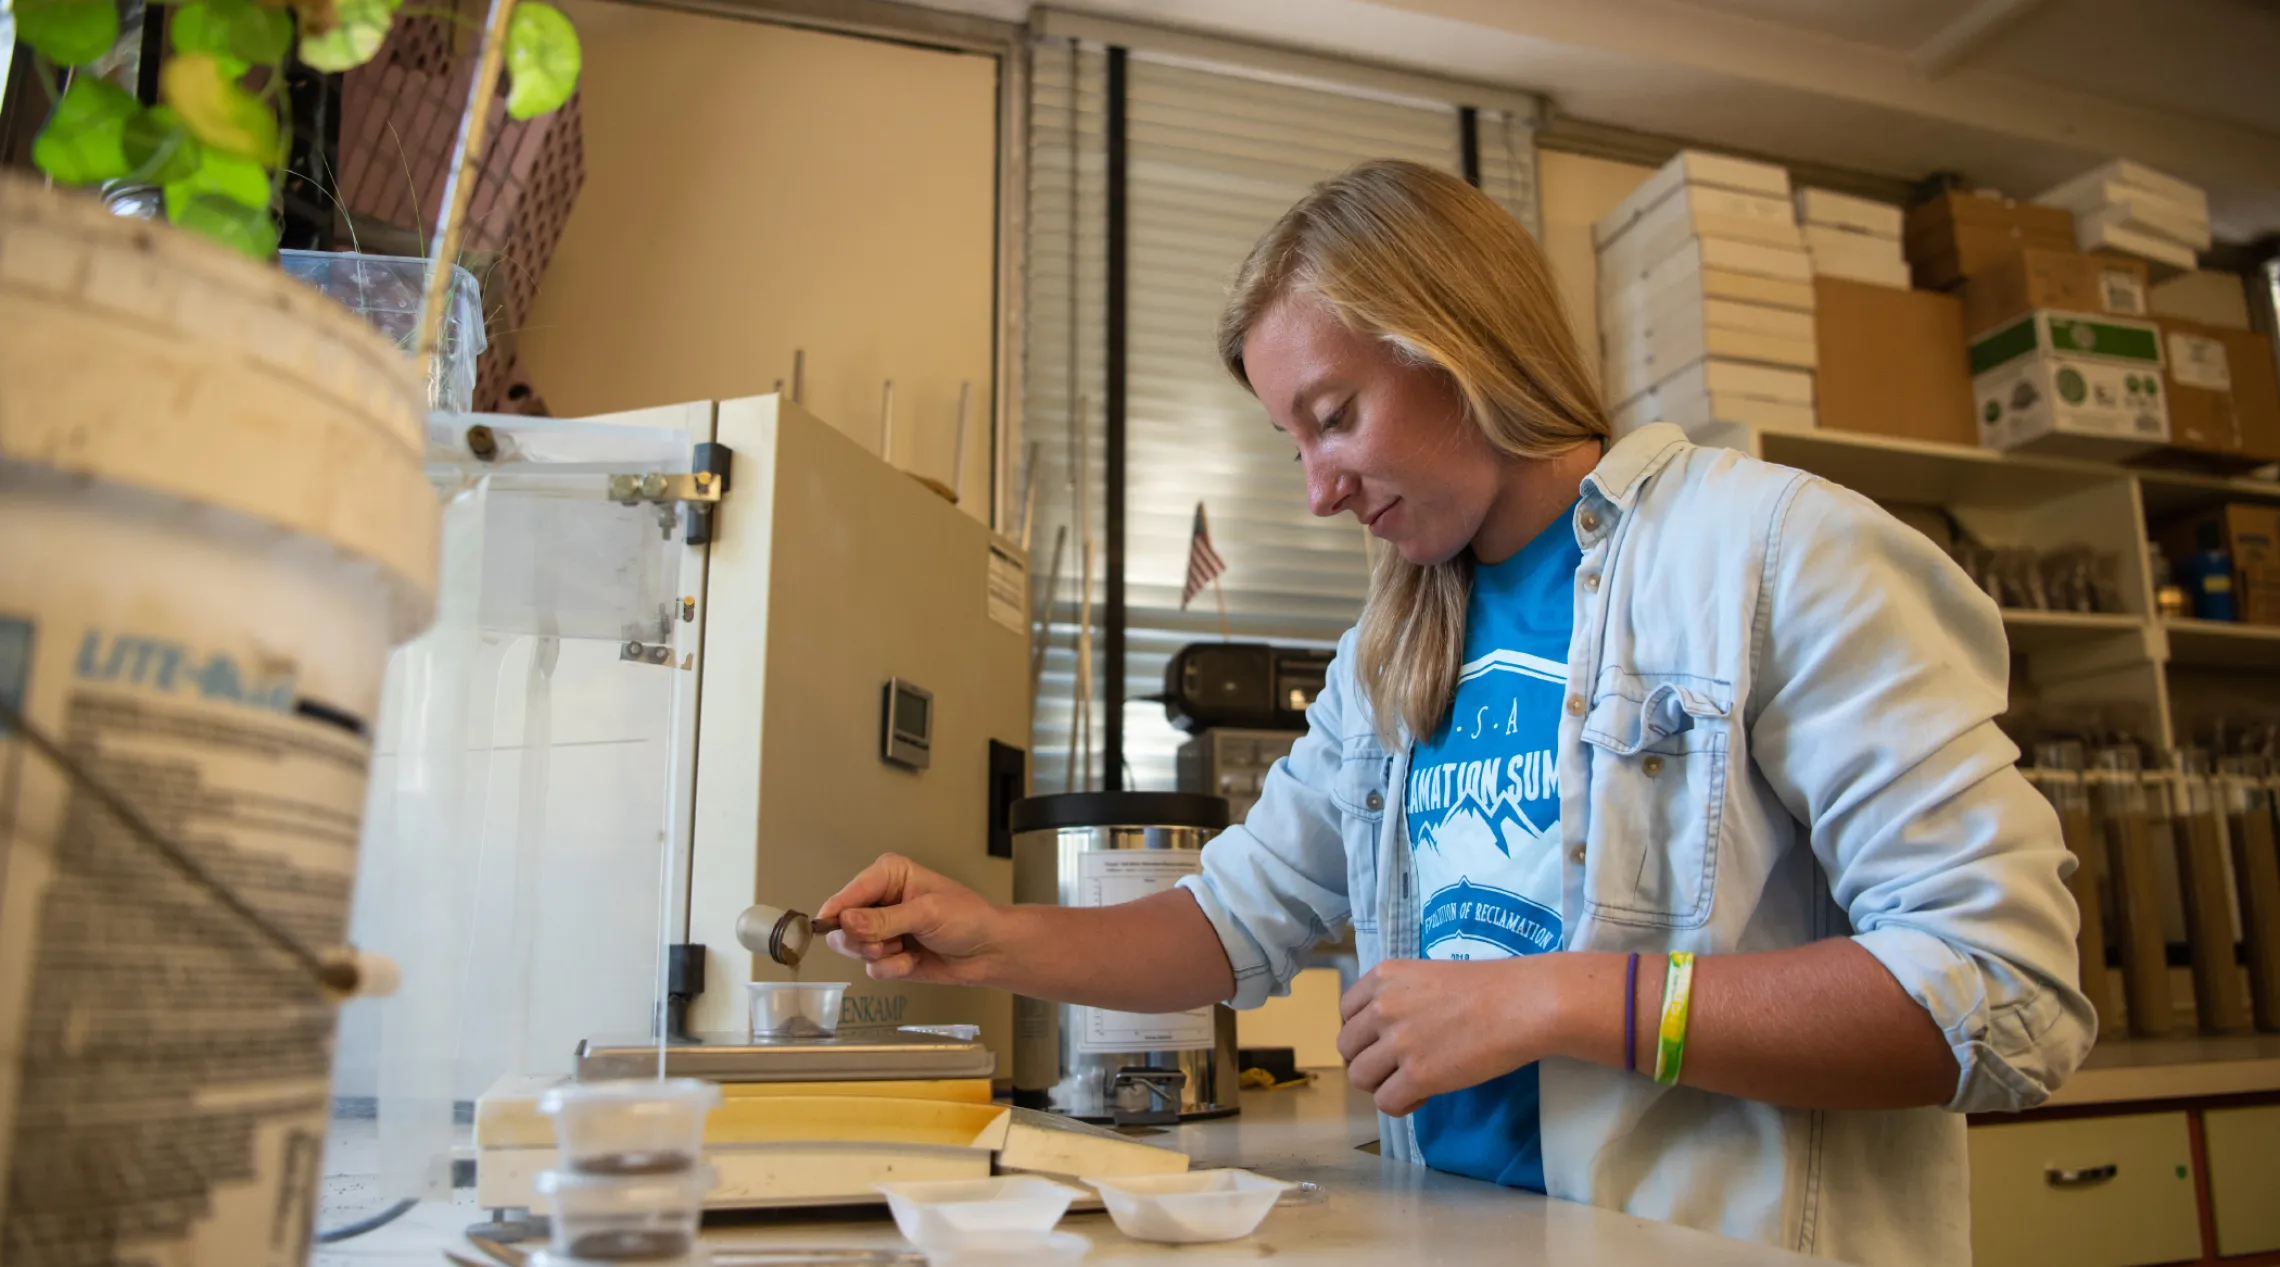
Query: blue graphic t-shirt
x=1484, y=830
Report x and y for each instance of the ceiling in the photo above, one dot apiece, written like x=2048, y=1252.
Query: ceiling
x=2018, y=94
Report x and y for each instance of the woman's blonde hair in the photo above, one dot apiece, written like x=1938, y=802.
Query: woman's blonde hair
x=1416, y=257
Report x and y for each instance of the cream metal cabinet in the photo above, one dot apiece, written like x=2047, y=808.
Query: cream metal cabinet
x=832, y=573
x=2243, y=1147
x=2086, y=1192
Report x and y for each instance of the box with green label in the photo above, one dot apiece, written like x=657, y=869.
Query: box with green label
x=2070, y=383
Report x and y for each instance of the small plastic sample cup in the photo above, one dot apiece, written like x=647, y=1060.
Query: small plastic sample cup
x=646, y=1127
x=795, y=1009
x=1201, y=1205
x=625, y=1218
x=964, y=1217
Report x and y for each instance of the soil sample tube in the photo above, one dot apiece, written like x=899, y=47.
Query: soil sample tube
x=2059, y=775
x=2119, y=794
x=2247, y=792
x=2218, y=999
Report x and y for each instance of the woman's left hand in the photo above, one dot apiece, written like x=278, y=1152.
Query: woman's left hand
x=1416, y=1028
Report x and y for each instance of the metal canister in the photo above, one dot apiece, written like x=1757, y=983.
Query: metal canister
x=1099, y=849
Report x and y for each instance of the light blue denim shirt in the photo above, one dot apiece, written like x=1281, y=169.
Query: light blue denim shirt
x=1779, y=728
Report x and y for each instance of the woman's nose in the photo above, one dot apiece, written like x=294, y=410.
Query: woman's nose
x=1328, y=489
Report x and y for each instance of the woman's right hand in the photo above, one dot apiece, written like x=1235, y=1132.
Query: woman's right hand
x=909, y=924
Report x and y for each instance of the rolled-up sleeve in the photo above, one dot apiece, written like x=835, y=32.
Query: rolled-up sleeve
x=1275, y=884
x=1881, y=671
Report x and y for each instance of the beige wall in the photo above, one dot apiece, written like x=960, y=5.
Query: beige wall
x=1576, y=191
x=751, y=189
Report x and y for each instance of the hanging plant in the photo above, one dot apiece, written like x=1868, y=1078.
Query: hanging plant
x=217, y=139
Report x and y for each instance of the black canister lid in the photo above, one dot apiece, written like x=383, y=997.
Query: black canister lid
x=1119, y=809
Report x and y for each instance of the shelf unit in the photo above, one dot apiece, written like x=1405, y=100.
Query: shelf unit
x=2168, y=679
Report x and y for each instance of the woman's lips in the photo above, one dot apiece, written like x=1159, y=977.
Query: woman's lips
x=1376, y=521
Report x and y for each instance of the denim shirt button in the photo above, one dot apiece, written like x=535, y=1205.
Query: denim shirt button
x=1652, y=765
x=1591, y=581
x=1575, y=855
x=1374, y=801
x=1588, y=521
x=1575, y=706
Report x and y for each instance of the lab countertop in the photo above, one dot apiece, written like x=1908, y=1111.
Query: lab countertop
x=1372, y=1212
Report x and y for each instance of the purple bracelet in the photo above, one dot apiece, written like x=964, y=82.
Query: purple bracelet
x=1631, y=1014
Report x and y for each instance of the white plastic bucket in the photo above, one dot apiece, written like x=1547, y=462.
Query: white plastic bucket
x=213, y=526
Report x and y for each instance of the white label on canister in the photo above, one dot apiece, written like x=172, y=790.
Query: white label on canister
x=176, y=1067
x=2124, y=293
x=1008, y=591
x=2196, y=360
x=1105, y=878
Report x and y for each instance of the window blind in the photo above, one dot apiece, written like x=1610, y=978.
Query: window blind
x=1215, y=154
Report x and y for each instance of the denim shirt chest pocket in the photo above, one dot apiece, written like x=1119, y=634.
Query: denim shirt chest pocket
x=1658, y=748
x=1361, y=791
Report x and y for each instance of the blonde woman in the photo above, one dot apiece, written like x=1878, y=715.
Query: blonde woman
x=1608, y=700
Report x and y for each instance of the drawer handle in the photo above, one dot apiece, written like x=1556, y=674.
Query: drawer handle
x=2058, y=1178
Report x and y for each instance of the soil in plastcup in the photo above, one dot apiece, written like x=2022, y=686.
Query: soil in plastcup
x=662, y=1162
x=631, y=1245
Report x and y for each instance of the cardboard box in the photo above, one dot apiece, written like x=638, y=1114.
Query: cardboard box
x=2224, y=393
x=1955, y=235
x=1843, y=211
x=2069, y=281
x=1855, y=256
x=2088, y=187
x=2073, y=384
x=1695, y=412
x=1675, y=311
x=1627, y=264
x=1645, y=358
x=1692, y=167
x=1893, y=363
x=2250, y=533
x=1682, y=278
x=2113, y=230
x=1730, y=378
x=2211, y=298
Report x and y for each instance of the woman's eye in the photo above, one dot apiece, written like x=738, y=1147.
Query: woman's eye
x=1332, y=423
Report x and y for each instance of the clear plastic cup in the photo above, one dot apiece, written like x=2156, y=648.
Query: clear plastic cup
x=1201, y=1205
x=625, y=1218
x=795, y=1009
x=1005, y=1214
x=633, y=1127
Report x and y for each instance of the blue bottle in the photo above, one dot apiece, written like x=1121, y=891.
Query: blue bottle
x=2208, y=577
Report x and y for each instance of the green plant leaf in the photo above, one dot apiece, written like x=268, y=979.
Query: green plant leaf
x=68, y=32
x=229, y=222
x=233, y=30
x=160, y=149
x=219, y=175
x=218, y=110
x=544, y=58
x=352, y=42
x=84, y=141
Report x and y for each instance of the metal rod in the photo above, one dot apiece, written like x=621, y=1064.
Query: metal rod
x=1044, y=622
x=1028, y=494
x=958, y=446
x=887, y=423
x=799, y=373
x=1112, y=425
x=459, y=186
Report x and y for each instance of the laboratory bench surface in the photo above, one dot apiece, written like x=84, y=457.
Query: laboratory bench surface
x=1372, y=1211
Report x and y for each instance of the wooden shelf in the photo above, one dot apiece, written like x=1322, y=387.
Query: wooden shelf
x=2122, y=1069
x=2031, y=631
x=2221, y=644
x=2169, y=494
x=1917, y=472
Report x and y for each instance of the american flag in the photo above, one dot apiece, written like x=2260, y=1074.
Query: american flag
x=1204, y=563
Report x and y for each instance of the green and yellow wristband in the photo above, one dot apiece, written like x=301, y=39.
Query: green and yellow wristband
x=1670, y=1036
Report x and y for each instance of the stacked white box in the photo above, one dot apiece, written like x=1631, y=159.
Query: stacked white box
x=1706, y=298
x=2131, y=208
x=1857, y=239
